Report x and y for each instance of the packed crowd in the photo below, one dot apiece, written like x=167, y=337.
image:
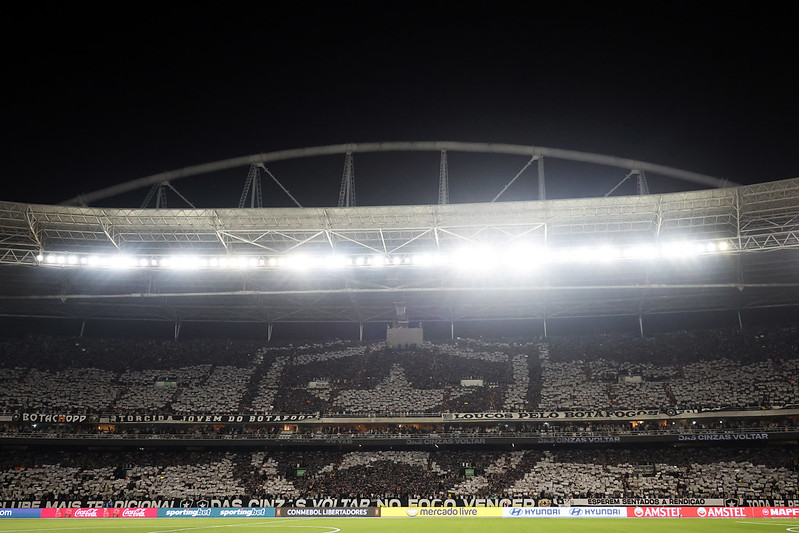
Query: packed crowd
x=716, y=369
x=698, y=472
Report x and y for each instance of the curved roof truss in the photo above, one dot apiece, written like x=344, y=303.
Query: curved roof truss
x=342, y=149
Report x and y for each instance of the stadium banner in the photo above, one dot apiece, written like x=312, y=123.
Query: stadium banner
x=321, y=502
x=769, y=502
x=572, y=415
x=305, y=512
x=713, y=512
x=564, y=512
x=216, y=512
x=201, y=507
x=650, y=502
x=155, y=418
x=775, y=512
x=441, y=512
x=20, y=513
x=191, y=506
x=55, y=418
x=98, y=512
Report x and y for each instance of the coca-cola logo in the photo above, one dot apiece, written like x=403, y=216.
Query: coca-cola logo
x=85, y=513
x=133, y=513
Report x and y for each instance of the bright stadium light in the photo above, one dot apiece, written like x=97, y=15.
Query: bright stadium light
x=334, y=261
x=676, y=250
x=429, y=259
x=377, y=260
x=121, y=262
x=524, y=257
x=640, y=252
x=181, y=262
x=518, y=257
x=298, y=262
x=474, y=259
x=583, y=254
x=607, y=254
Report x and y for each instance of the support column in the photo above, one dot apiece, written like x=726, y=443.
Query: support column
x=641, y=325
x=177, y=329
x=542, y=188
x=360, y=332
x=452, y=330
x=82, y=328
x=269, y=331
x=545, y=328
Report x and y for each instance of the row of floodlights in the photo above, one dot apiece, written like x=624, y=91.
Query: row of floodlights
x=471, y=258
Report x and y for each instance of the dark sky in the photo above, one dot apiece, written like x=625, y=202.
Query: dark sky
x=94, y=97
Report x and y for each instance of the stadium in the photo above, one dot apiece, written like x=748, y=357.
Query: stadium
x=633, y=354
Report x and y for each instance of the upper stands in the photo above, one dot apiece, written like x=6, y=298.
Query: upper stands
x=706, y=370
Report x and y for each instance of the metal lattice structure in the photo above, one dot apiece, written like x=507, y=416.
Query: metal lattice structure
x=760, y=268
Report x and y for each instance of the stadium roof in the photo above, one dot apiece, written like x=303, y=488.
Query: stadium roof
x=749, y=237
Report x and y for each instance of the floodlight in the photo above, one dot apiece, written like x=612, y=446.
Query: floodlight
x=675, y=250
x=582, y=254
x=334, y=261
x=606, y=254
x=121, y=261
x=378, y=260
x=299, y=262
x=421, y=259
x=474, y=259
x=523, y=257
x=644, y=252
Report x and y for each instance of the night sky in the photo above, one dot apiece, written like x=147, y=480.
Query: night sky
x=94, y=97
